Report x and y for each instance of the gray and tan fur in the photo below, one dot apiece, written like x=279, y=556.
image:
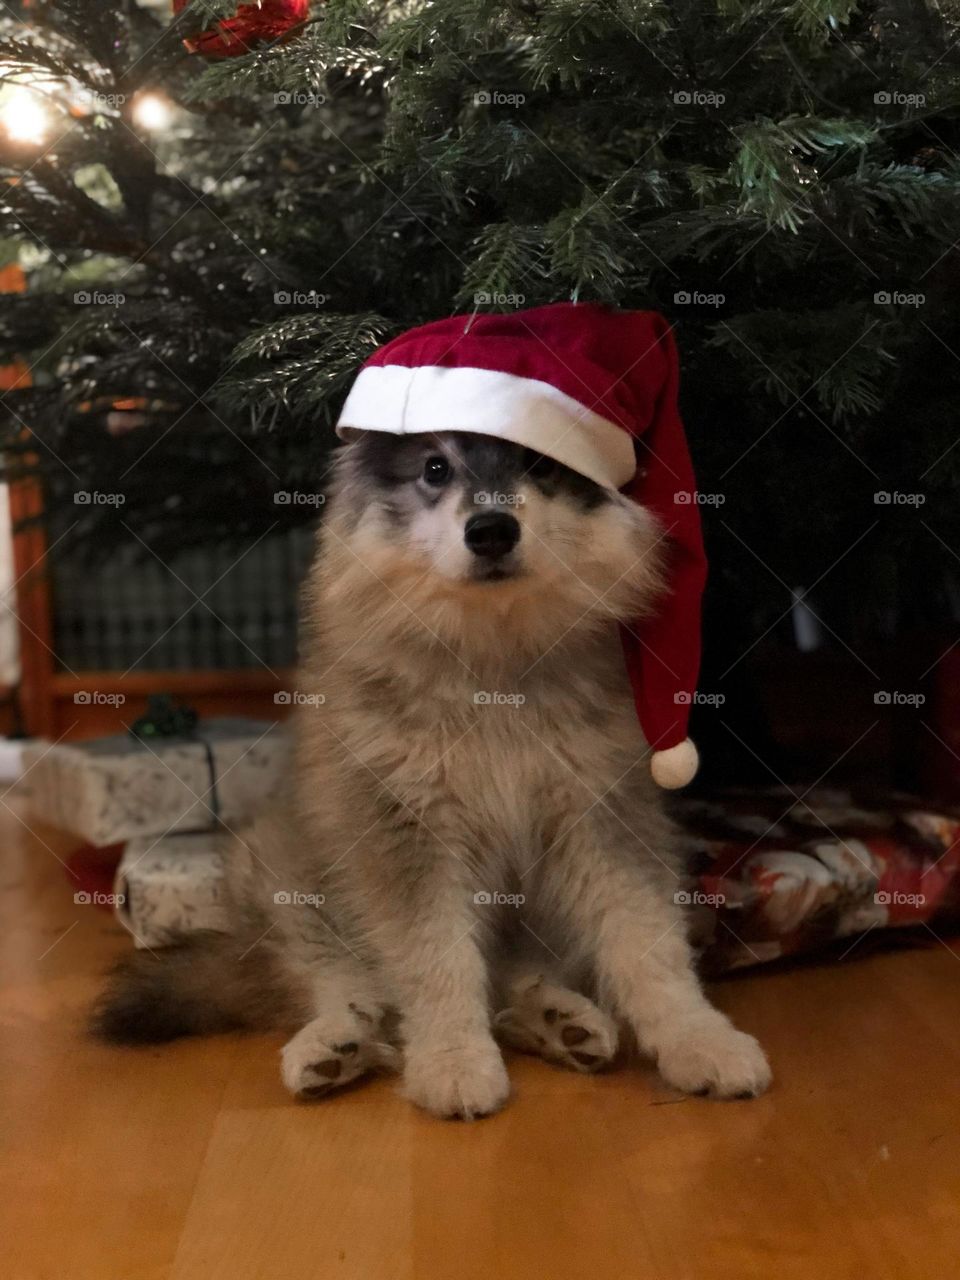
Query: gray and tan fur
x=471, y=847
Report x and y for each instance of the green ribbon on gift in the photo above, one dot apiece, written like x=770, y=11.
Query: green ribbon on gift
x=164, y=720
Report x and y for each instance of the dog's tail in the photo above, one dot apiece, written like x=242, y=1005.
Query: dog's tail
x=205, y=982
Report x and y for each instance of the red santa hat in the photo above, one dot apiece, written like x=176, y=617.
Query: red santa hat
x=595, y=389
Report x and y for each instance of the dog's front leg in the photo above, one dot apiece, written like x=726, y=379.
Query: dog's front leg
x=620, y=904
x=429, y=942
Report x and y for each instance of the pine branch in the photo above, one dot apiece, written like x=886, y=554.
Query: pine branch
x=301, y=363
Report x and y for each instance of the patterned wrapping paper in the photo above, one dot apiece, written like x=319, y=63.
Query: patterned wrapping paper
x=119, y=788
x=775, y=876
x=170, y=886
x=771, y=876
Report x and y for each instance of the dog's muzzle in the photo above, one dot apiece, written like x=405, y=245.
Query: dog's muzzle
x=492, y=534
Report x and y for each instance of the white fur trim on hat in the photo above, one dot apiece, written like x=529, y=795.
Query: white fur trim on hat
x=676, y=766
x=410, y=401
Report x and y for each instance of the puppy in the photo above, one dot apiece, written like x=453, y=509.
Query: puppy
x=469, y=846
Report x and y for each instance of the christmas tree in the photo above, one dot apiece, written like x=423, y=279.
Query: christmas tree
x=212, y=236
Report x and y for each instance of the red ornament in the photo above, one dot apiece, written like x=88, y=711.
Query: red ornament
x=252, y=25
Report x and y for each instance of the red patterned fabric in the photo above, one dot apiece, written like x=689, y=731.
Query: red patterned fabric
x=777, y=877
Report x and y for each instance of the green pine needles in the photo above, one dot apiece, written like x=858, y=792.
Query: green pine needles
x=779, y=177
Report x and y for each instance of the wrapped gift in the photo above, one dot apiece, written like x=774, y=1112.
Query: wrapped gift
x=776, y=876
x=170, y=886
x=121, y=788
x=770, y=876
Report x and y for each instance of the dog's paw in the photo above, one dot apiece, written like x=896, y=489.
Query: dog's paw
x=457, y=1082
x=710, y=1056
x=561, y=1026
x=328, y=1053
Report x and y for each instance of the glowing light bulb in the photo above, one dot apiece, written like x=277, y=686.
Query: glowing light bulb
x=23, y=115
x=151, y=111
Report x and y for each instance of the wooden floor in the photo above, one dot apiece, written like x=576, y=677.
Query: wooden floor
x=190, y=1161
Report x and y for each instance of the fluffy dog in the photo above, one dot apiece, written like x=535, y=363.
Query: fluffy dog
x=470, y=846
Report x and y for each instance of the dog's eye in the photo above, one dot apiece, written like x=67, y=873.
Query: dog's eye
x=436, y=469
x=539, y=466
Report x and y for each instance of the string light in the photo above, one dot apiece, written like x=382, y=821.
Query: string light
x=151, y=111
x=24, y=116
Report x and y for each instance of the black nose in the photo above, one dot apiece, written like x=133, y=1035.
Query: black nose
x=492, y=534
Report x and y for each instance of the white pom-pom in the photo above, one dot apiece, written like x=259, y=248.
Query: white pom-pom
x=676, y=766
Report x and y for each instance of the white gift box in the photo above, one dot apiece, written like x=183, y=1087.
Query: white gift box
x=170, y=886
x=120, y=788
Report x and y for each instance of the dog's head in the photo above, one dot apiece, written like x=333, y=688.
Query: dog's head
x=472, y=532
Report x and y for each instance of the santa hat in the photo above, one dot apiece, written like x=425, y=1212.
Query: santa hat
x=596, y=390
